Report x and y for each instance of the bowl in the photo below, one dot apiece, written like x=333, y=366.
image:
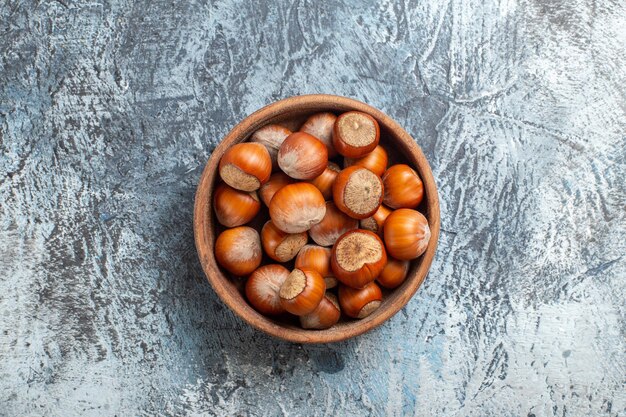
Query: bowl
x=292, y=112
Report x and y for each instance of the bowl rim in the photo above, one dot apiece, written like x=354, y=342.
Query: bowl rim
x=204, y=232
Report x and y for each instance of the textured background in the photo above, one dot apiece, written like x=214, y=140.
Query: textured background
x=109, y=110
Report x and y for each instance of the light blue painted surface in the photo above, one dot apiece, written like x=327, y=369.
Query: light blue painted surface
x=109, y=110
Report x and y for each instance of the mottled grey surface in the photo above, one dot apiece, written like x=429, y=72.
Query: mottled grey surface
x=109, y=110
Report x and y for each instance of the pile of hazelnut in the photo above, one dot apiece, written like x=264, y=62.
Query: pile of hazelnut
x=362, y=219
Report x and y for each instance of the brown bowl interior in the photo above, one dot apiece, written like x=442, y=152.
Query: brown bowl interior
x=292, y=112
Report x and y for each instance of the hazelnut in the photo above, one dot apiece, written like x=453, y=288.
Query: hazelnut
x=406, y=234
x=357, y=258
x=296, y=207
x=321, y=126
x=317, y=258
x=246, y=166
x=238, y=250
x=334, y=224
x=302, y=291
x=233, y=207
x=302, y=156
x=324, y=316
x=358, y=192
x=325, y=181
x=281, y=246
x=375, y=161
x=262, y=288
x=403, y=187
x=394, y=273
x=271, y=136
x=355, y=134
x=376, y=221
x=277, y=181
x=360, y=303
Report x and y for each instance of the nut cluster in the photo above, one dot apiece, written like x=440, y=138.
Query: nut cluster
x=334, y=236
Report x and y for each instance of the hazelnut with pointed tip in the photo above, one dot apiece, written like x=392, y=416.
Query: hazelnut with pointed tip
x=233, y=207
x=238, y=250
x=302, y=156
x=406, y=234
x=403, y=187
x=262, y=288
x=296, y=207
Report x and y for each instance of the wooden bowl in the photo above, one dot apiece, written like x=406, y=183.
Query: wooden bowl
x=292, y=112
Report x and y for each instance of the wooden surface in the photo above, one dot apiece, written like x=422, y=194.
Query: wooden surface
x=109, y=110
x=396, y=139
